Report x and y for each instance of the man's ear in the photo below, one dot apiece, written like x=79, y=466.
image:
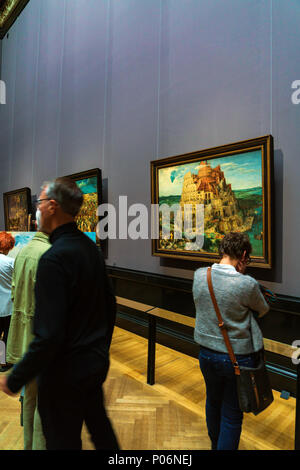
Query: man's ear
x=53, y=206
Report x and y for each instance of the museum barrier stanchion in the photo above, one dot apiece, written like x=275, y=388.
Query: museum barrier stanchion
x=151, y=349
x=297, y=416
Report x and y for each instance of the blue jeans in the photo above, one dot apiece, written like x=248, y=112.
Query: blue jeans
x=223, y=415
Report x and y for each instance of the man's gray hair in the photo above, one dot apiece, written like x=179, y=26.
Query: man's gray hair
x=66, y=193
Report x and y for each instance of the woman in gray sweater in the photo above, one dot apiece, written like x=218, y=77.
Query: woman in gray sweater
x=238, y=296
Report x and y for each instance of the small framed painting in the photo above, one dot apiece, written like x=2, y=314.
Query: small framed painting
x=90, y=183
x=17, y=208
x=203, y=195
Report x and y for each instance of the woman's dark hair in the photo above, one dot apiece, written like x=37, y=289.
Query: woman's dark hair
x=66, y=192
x=234, y=244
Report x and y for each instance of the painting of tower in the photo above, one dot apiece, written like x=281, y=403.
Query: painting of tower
x=229, y=188
x=221, y=208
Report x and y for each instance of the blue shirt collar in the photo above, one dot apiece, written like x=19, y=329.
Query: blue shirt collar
x=225, y=267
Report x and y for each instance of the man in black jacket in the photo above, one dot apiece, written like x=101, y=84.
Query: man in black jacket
x=73, y=325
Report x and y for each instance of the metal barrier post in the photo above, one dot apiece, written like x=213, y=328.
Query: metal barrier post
x=151, y=349
x=297, y=417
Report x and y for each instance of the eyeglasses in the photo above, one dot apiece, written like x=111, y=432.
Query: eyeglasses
x=40, y=200
x=248, y=260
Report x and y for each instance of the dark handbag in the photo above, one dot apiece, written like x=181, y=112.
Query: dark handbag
x=253, y=384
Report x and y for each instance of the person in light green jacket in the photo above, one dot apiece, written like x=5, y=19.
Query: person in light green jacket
x=21, y=331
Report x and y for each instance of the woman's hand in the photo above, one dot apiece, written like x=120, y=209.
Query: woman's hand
x=242, y=263
x=241, y=266
x=3, y=386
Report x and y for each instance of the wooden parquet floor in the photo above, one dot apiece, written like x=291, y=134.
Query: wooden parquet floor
x=168, y=415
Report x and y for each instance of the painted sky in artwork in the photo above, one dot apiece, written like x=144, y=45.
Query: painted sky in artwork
x=22, y=238
x=242, y=171
x=88, y=185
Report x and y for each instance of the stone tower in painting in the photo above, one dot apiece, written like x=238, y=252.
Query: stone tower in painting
x=221, y=210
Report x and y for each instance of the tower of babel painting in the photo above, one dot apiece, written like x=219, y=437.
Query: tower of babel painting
x=221, y=210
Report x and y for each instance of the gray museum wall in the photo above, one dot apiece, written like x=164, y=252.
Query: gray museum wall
x=116, y=84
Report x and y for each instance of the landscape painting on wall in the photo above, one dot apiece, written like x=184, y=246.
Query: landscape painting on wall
x=232, y=186
x=90, y=184
x=17, y=205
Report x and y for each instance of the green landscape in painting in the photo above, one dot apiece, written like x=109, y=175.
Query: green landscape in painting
x=230, y=188
x=87, y=218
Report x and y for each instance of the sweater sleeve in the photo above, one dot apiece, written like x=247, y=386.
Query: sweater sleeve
x=257, y=301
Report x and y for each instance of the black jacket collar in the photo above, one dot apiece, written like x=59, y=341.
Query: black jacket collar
x=70, y=227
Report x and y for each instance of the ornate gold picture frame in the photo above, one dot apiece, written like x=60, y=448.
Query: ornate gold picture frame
x=17, y=207
x=231, y=184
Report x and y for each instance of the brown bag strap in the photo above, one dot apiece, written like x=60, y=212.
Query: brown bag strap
x=221, y=324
